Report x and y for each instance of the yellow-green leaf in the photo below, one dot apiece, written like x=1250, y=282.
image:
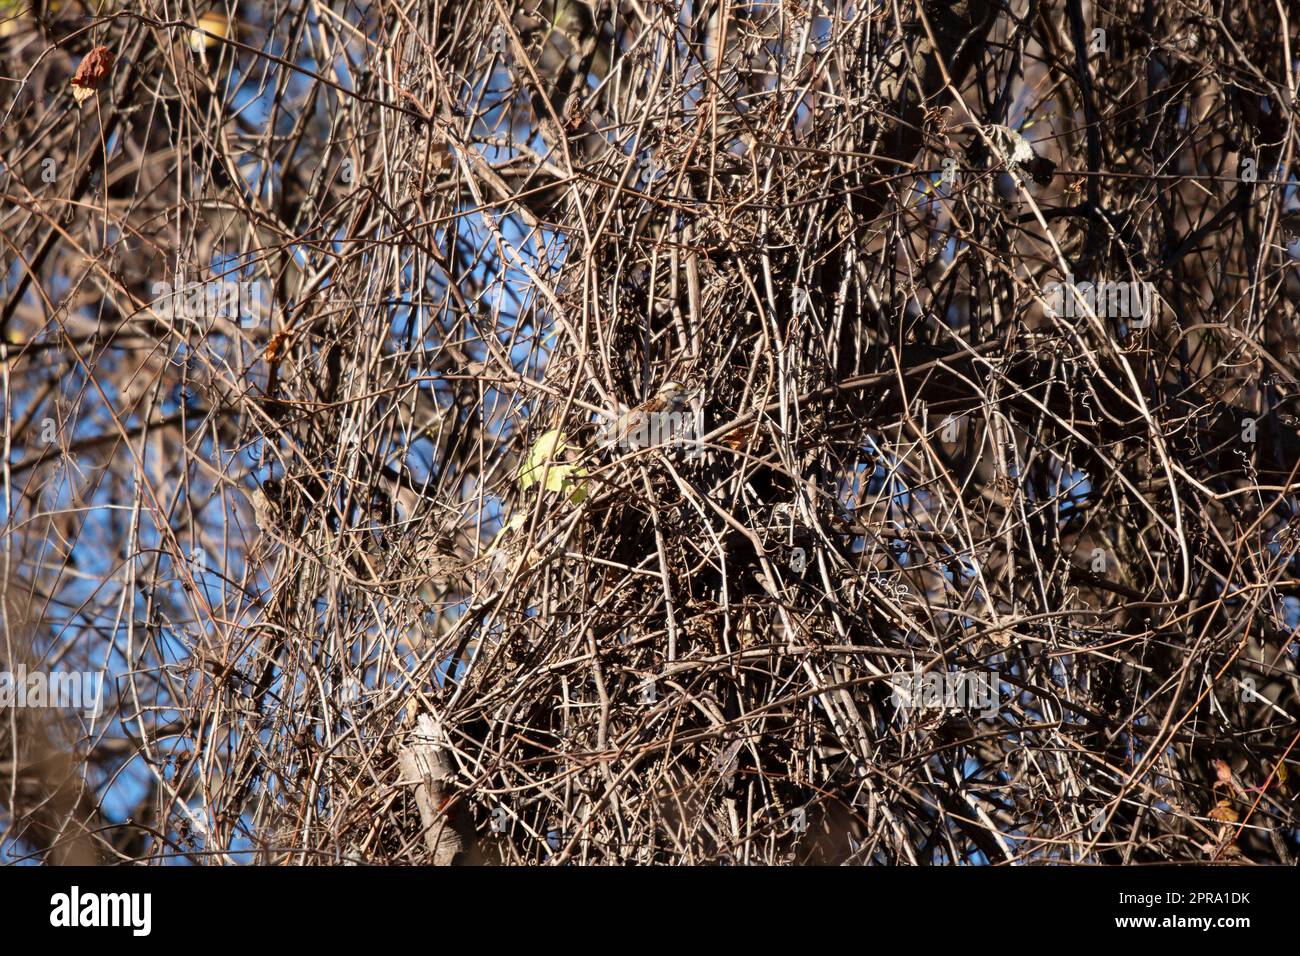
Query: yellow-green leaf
x=542, y=462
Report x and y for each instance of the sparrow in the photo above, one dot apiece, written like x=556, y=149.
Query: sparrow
x=1017, y=153
x=652, y=422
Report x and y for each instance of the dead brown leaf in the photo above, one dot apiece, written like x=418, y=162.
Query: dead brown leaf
x=91, y=72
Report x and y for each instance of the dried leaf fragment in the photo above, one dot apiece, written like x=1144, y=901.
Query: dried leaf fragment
x=1224, y=813
x=211, y=29
x=91, y=72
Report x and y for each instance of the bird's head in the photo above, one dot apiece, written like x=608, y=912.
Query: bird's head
x=671, y=392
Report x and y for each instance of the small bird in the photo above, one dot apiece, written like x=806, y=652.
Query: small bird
x=655, y=421
x=1016, y=153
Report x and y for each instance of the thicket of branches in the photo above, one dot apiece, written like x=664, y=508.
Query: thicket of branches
x=367, y=588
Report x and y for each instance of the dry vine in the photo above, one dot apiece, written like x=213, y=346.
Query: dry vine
x=370, y=582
